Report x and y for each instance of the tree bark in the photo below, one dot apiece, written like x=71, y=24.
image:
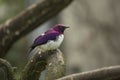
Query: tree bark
x=6, y=70
x=52, y=59
x=107, y=73
x=55, y=66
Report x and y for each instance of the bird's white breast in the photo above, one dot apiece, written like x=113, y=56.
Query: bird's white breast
x=51, y=45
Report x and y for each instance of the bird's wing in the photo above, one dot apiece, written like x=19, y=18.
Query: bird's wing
x=44, y=39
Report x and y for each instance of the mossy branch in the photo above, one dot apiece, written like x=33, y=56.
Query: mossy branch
x=7, y=70
x=55, y=66
x=52, y=59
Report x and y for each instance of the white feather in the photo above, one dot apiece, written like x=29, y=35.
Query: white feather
x=51, y=45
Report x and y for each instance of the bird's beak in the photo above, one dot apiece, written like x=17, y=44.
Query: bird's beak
x=67, y=27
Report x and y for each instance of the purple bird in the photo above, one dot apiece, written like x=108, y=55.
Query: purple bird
x=51, y=39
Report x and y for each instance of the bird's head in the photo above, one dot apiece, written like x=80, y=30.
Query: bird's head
x=60, y=28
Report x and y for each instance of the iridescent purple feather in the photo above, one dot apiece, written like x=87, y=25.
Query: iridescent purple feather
x=45, y=38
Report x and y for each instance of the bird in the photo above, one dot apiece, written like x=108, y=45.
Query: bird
x=51, y=39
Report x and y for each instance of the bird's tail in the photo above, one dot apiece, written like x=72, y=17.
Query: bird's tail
x=28, y=55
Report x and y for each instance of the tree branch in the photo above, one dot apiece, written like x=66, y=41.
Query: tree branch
x=55, y=66
x=28, y=20
x=38, y=63
x=7, y=69
x=107, y=73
